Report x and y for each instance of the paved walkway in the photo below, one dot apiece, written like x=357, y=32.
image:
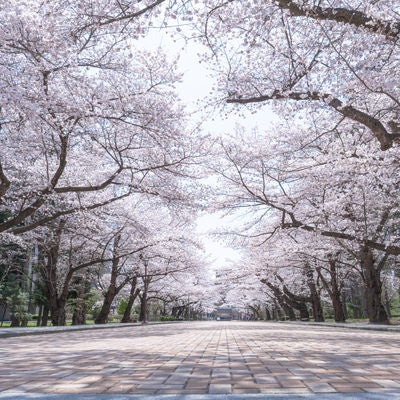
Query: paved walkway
x=203, y=358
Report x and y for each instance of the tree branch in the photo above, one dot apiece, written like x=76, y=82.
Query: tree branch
x=107, y=20
x=45, y=220
x=389, y=249
x=385, y=138
x=343, y=15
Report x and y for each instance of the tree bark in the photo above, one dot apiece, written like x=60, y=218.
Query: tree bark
x=102, y=317
x=318, y=312
x=45, y=315
x=143, y=307
x=143, y=299
x=79, y=314
x=343, y=15
x=110, y=294
x=283, y=300
x=133, y=294
x=48, y=270
x=336, y=295
x=333, y=291
x=373, y=287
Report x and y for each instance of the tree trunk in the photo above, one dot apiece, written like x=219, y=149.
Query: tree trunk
x=256, y=311
x=143, y=299
x=304, y=314
x=45, y=315
x=177, y=312
x=58, y=315
x=282, y=300
x=338, y=307
x=133, y=294
x=297, y=302
x=356, y=301
x=15, y=322
x=373, y=288
x=336, y=295
x=109, y=297
x=48, y=271
x=143, y=307
x=289, y=311
x=59, y=303
x=79, y=315
x=333, y=291
x=318, y=312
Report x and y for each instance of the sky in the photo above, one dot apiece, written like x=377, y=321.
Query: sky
x=194, y=89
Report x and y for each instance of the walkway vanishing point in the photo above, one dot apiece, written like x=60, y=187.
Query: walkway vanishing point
x=202, y=360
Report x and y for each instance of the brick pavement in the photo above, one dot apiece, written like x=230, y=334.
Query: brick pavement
x=203, y=358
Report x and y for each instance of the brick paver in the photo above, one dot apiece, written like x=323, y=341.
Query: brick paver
x=203, y=357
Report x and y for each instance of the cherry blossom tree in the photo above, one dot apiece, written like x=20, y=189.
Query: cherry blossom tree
x=86, y=118
x=168, y=261
x=67, y=253
x=327, y=189
x=336, y=59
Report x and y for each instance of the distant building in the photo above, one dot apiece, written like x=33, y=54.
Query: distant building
x=227, y=313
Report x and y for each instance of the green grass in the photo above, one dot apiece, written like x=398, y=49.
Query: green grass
x=32, y=324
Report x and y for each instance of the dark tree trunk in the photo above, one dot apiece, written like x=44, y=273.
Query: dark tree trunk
x=15, y=322
x=109, y=297
x=110, y=294
x=58, y=315
x=177, y=311
x=48, y=270
x=373, y=288
x=297, y=302
x=283, y=300
x=113, y=289
x=143, y=299
x=335, y=293
x=133, y=294
x=338, y=308
x=268, y=316
x=289, y=311
x=59, y=303
x=45, y=315
x=79, y=315
x=356, y=301
x=318, y=312
x=304, y=314
x=143, y=307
